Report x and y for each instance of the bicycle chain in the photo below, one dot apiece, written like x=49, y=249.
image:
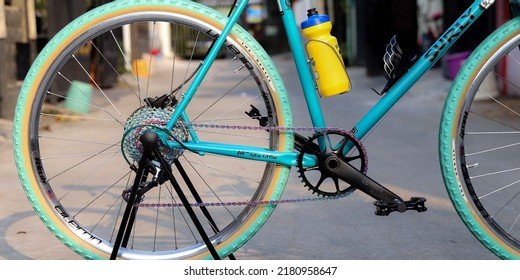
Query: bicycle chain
x=261, y=202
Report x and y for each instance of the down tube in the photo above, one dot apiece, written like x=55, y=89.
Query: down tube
x=424, y=63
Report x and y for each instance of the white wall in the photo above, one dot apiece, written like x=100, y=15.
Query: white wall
x=3, y=27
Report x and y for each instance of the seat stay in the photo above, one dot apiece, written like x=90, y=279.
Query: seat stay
x=206, y=65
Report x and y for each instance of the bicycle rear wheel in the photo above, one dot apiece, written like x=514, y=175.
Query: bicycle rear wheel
x=479, y=142
x=69, y=129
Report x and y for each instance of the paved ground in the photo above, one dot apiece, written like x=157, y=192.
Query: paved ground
x=345, y=229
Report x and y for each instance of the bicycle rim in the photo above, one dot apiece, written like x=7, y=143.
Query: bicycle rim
x=68, y=149
x=479, y=142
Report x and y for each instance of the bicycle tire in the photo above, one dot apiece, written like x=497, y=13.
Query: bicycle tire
x=477, y=142
x=75, y=190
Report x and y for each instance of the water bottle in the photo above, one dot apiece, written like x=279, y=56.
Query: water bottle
x=325, y=55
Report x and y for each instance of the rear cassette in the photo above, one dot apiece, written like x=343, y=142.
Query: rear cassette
x=147, y=118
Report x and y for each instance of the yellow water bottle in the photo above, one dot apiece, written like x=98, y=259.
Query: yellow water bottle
x=325, y=55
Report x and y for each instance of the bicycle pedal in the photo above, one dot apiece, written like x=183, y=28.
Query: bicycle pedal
x=384, y=208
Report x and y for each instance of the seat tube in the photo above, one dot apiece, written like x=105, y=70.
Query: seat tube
x=302, y=66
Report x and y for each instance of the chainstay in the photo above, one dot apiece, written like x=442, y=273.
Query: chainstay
x=260, y=202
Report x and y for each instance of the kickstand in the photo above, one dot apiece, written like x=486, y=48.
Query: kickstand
x=198, y=199
x=150, y=143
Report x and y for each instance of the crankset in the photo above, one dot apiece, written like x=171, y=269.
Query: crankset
x=321, y=145
x=347, y=172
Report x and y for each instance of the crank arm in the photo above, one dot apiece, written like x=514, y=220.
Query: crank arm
x=346, y=172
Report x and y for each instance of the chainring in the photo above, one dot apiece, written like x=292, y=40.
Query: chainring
x=321, y=144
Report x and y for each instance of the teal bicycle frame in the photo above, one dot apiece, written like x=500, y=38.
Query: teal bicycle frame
x=387, y=102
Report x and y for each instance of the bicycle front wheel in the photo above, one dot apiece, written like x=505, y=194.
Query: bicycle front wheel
x=71, y=131
x=480, y=142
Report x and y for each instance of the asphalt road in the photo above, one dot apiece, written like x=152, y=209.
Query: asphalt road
x=402, y=154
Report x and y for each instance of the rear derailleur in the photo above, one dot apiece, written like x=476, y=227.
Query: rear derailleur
x=154, y=168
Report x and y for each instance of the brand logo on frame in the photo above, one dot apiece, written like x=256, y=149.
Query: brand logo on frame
x=449, y=36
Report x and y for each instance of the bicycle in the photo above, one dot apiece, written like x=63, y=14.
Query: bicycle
x=121, y=197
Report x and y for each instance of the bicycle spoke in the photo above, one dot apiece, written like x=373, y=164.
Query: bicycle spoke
x=78, y=141
x=493, y=133
x=494, y=149
x=234, y=109
x=505, y=205
x=109, y=112
x=495, y=121
x=495, y=173
x=499, y=189
x=120, y=77
x=87, y=177
x=214, y=172
x=127, y=62
x=75, y=117
x=156, y=221
x=207, y=185
x=105, y=214
x=510, y=82
x=224, y=120
x=78, y=155
x=221, y=170
x=220, y=98
x=100, y=195
x=99, y=88
x=500, y=103
x=184, y=218
x=208, y=78
x=78, y=164
x=89, y=159
x=174, y=60
x=513, y=225
x=106, y=111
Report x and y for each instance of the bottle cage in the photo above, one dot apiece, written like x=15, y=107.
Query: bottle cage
x=396, y=63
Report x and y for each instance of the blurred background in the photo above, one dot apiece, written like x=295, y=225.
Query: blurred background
x=363, y=29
